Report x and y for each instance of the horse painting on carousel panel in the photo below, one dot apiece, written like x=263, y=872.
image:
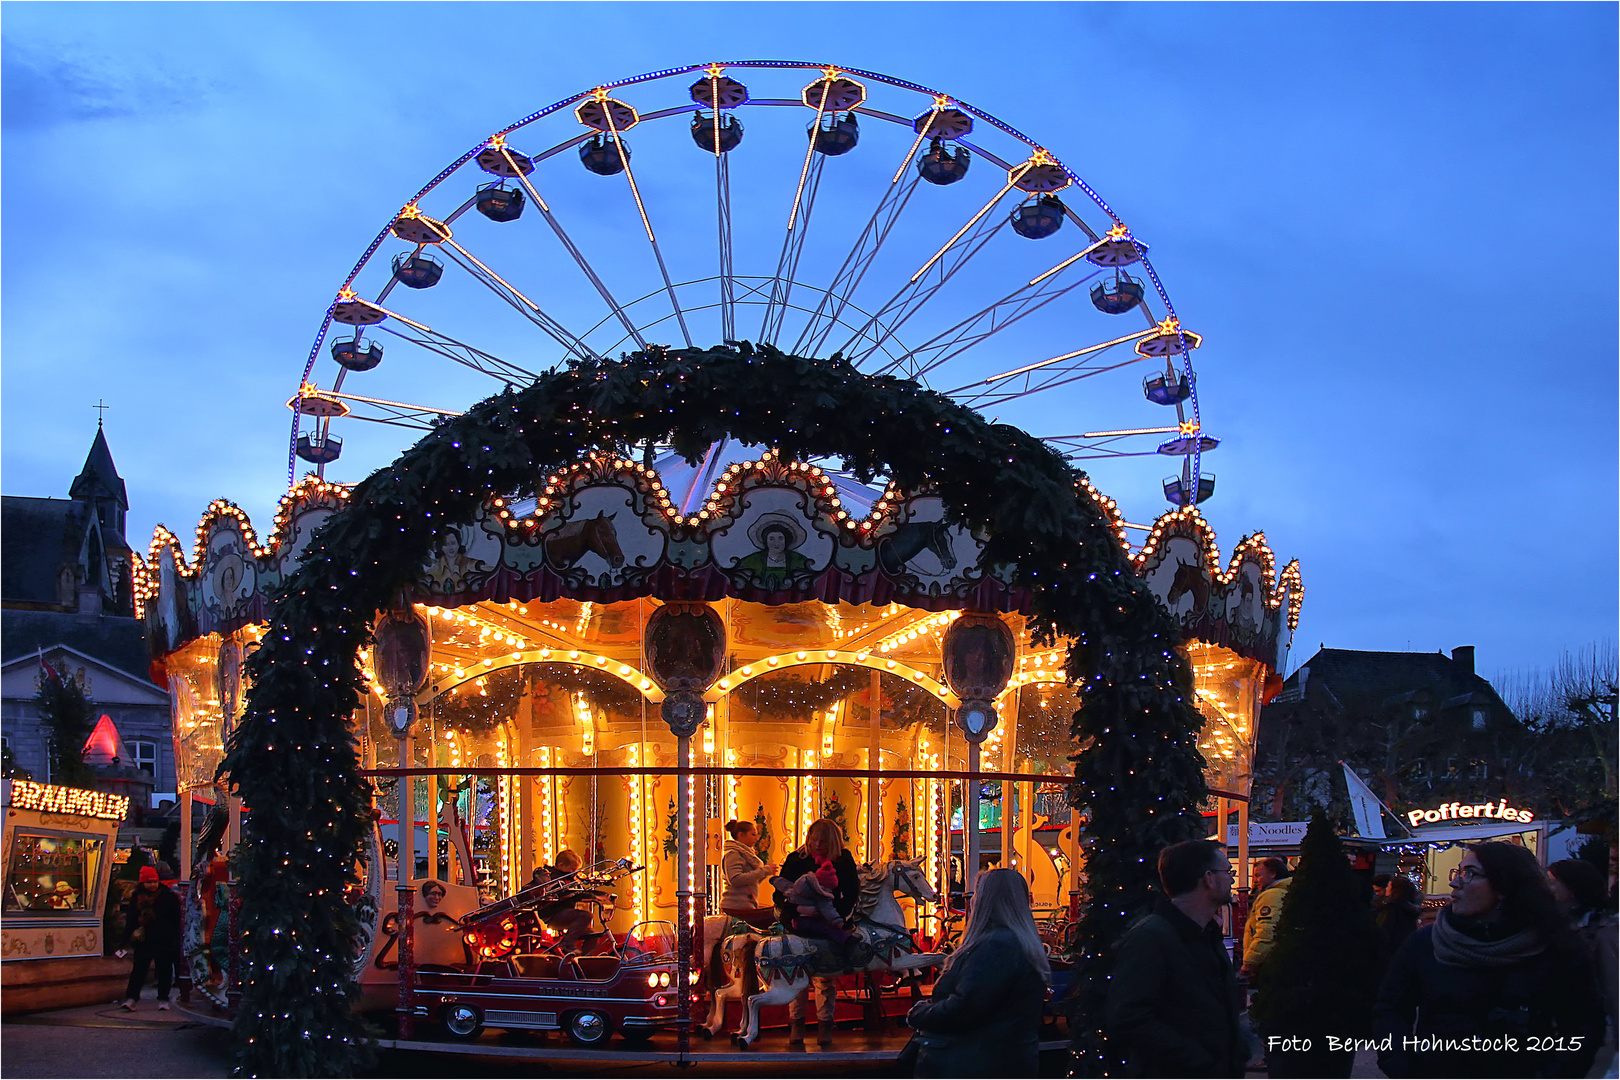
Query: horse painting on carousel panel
x=603, y=542
x=924, y=545
x=1180, y=580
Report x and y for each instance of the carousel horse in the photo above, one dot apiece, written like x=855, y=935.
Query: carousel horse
x=203, y=908
x=881, y=942
x=730, y=938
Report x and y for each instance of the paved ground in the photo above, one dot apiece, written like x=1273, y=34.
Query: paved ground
x=104, y=1041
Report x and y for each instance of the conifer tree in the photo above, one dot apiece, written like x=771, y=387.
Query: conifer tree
x=65, y=712
x=1322, y=975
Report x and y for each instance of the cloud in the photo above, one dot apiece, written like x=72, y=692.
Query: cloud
x=43, y=90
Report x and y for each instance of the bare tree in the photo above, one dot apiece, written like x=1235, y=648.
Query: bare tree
x=1572, y=706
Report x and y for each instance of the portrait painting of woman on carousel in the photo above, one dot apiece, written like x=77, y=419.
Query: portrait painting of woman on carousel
x=452, y=569
x=775, y=563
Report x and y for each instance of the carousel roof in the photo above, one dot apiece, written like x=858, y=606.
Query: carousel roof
x=690, y=485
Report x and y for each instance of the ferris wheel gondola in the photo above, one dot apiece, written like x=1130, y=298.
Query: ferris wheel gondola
x=896, y=255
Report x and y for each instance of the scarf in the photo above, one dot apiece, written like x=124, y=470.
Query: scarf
x=1454, y=947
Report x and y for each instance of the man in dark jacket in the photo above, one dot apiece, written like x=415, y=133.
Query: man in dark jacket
x=152, y=926
x=1173, y=998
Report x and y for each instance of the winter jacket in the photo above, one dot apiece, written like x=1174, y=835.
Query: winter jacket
x=1260, y=929
x=744, y=870
x=844, y=897
x=1599, y=932
x=1552, y=994
x=1396, y=920
x=984, y=1017
x=1173, y=999
x=152, y=921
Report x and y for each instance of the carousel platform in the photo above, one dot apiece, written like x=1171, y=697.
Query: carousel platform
x=853, y=1052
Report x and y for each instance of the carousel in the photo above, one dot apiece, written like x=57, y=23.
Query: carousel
x=490, y=711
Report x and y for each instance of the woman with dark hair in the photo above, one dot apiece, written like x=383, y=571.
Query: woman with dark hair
x=1582, y=895
x=984, y=1017
x=1496, y=986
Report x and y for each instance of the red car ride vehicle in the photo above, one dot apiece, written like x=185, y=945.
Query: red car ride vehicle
x=630, y=988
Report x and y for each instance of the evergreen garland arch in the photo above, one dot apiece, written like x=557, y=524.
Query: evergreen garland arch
x=294, y=761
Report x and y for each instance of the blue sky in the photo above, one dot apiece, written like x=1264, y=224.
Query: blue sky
x=1395, y=225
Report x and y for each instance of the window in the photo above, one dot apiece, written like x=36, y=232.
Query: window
x=1480, y=718
x=1481, y=771
x=48, y=872
x=145, y=752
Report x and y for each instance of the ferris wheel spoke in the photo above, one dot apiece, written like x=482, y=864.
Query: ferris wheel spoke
x=804, y=202
x=462, y=353
x=857, y=262
x=573, y=250
x=646, y=223
x=514, y=297
x=1089, y=350
x=914, y=294
x=722, y=199
x=372, y=410
x=1053, y=379
x=977, y=328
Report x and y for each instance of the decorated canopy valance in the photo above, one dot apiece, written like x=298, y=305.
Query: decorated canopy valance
x=771, y=531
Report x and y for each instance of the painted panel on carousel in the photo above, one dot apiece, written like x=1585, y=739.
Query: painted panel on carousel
x=171, y=607
x=463, y=558
x=922, y=553
x=774, y=543
x=598, y=538
x=300, y=528
x=1180, y=580
x=230, y=581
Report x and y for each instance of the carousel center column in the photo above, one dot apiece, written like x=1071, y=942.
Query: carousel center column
x=684, y=645
x=979, y=652
x=399, y=658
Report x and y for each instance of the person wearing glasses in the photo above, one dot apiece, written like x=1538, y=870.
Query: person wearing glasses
x=1173, y=1003
x=1497, y=985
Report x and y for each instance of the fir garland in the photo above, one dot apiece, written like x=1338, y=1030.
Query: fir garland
x=294, y=759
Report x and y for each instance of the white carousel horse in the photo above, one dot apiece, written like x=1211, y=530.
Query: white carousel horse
x=725, y=964
x=785, y=962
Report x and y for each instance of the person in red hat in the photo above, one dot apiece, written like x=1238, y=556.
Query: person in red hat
x=152, y=923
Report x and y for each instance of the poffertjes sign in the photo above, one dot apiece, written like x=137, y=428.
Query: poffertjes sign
x=1499, y=810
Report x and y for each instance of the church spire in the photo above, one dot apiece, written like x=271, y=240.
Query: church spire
x=99, y=484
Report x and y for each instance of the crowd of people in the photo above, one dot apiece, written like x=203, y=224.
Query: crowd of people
x=1515, y=976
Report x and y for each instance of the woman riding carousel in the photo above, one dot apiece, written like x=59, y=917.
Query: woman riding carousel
x=823, y=845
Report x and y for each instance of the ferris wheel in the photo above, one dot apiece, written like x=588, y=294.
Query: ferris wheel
x=814, y=208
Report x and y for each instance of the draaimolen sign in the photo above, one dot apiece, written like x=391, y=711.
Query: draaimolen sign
x=1458, y=811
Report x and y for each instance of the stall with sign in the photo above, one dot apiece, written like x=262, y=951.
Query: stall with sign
x=58, y=847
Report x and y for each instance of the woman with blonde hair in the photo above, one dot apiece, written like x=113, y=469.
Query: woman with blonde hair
x=984, y=1018
x=823, y=842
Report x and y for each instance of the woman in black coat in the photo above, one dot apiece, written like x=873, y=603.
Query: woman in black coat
x=1496, y=986
x=984, y=1017
x=822, y=840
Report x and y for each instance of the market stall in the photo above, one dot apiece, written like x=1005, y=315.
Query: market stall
x=58, y=847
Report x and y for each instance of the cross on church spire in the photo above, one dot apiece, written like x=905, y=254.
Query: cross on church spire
x=101, y=408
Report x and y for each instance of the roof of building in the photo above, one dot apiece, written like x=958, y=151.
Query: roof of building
x=99, y=478
x=37, y=542
x=1369, y=681
x=112, y=639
